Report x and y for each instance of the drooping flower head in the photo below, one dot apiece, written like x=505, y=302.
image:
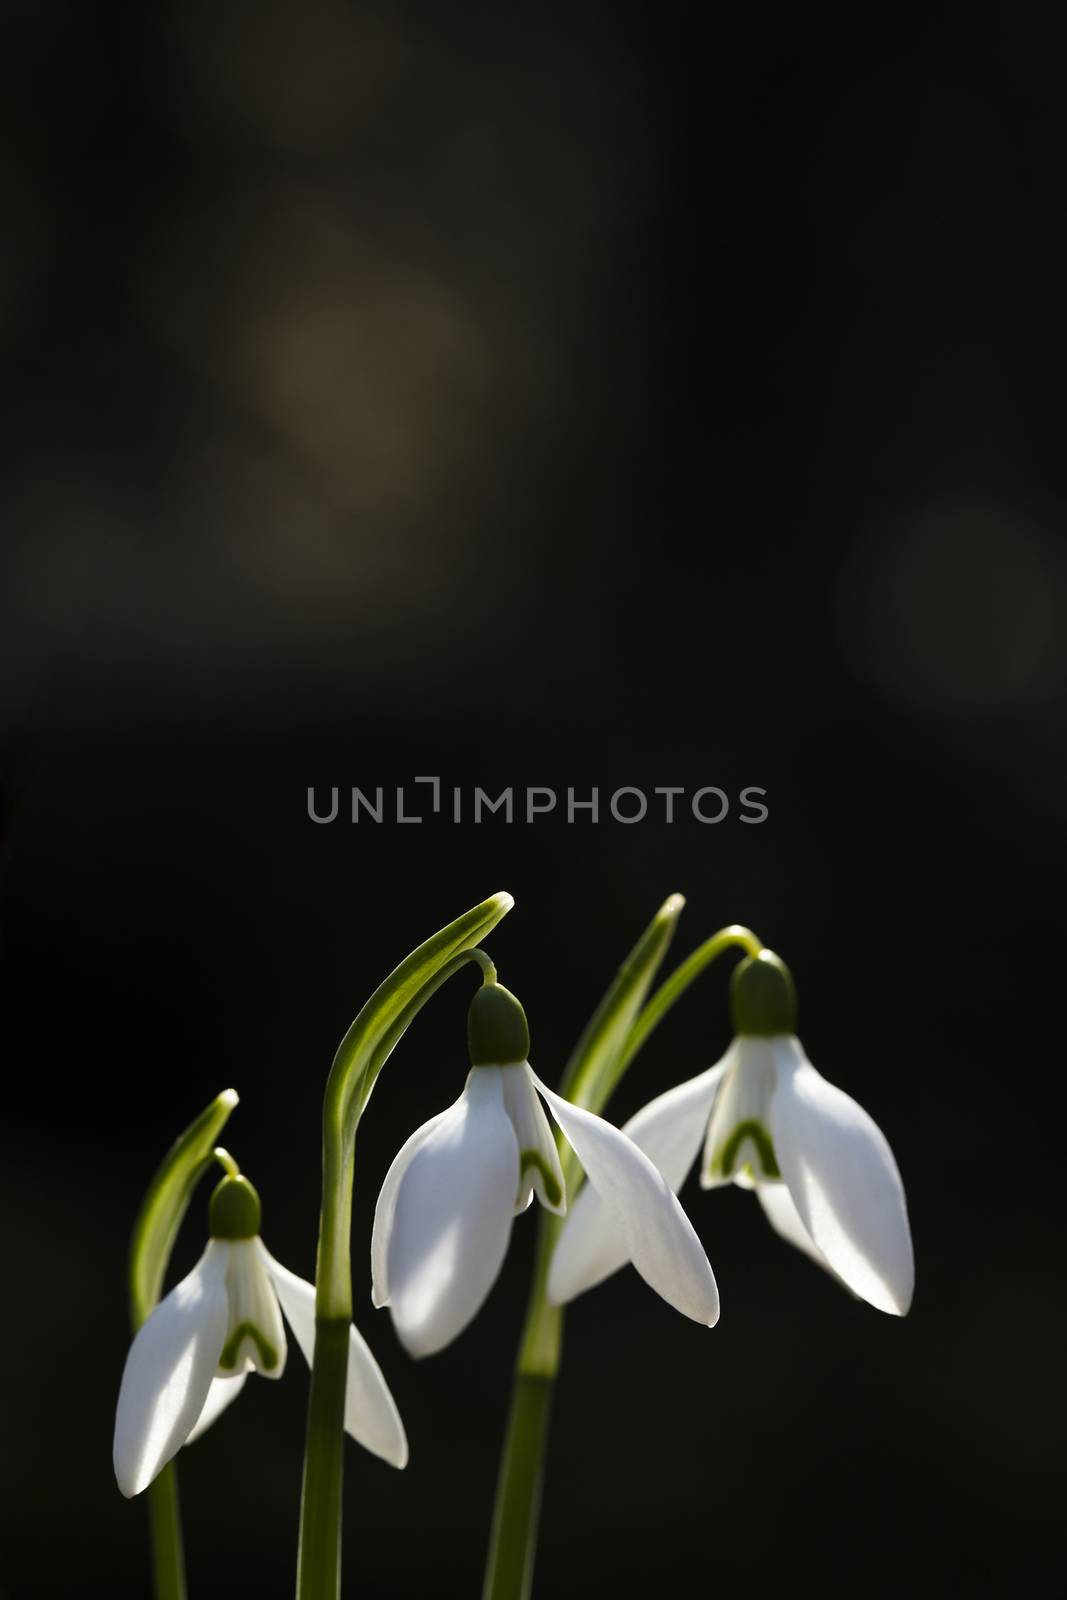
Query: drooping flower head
x=191, y=1358
x=444, y=1214
x=822, y=1170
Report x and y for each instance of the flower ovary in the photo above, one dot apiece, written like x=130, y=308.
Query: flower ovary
x=497, y=1030
x=762, y=997
x=235, y=1210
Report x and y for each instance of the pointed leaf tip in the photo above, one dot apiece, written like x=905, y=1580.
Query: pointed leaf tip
x=166, y=1200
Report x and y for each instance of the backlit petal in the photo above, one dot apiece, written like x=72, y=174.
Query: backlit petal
x=168, y=1372
x=844, y=1182
x=670, y=1130
x=371, y=1416
x=739, y=1142
x=255, y=1335
x=660, y=1239
x=540, y=1171
x=452, y=1217
x=386, y=1207
x=784, y=1218
x=223, y=1393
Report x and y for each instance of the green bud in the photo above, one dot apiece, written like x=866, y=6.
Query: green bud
x=235, y=1211
x=497, y=1030
x=762, y=997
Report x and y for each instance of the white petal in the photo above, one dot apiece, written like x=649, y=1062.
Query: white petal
x=541, y=1173
x=452, y=1217
x=660, y=1240
x=670, y=1130
x=223, y=1392
x=739, y=1131
x=844, y=1181
x=386, y=1208
x=371, y=1416
x=255, y=1335
x=784, y=1218
x=168, y=1372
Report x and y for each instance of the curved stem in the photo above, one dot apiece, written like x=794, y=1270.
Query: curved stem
x=226, y=1162
x=669, y=993
x=360, y=1057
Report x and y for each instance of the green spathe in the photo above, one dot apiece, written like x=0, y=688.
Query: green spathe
x=762, y=997
x=497, y=1031
x=235, y=1210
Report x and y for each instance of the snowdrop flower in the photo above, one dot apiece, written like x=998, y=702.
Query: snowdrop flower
x=191, y=1358
x=444, y=1215
x=821, y=1169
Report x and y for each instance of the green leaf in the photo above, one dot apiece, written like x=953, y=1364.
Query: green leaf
x=360, y=1057
x=165, y=1204
x=367, y=1044
x=597, y=1063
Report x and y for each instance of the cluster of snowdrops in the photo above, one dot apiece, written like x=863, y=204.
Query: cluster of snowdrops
x=761, y=1117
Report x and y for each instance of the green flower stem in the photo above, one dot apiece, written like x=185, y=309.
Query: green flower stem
x=168, y=1555
x=614, y=1036
x=320, y=1511
x=154, y=1232
x=360, y=1057
x=513, y=1539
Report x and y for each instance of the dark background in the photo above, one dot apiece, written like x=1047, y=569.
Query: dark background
x=562, y=395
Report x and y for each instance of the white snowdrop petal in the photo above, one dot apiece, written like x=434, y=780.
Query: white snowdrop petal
x=739, y=1130
x=223, y=1393
x=660, y=1239
x=169, y=1370
x=669, y=1130
x=371, y=1416
x=844, y=1182
x=255, y=1334
x=386, y=1206
x=784, y=1218
x=540, y=1171
x=452, y=1217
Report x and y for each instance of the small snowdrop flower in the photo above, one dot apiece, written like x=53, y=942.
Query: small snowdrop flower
x=444, y=1215
x=190, y=1359
x=821, y=1169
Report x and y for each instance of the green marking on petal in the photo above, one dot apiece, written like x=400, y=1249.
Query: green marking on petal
x=247, y=1330
x=551, y=1184
x=725, y=1159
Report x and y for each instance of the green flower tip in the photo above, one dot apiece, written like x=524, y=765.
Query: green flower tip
x=671, y=908
x=502, y=900
x=235, y=1210
x=227, y=1099
x=762, y=997
x=497, y=1030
